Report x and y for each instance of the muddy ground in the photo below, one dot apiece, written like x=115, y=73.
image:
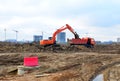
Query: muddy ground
x=75, y=63
x=36, y=48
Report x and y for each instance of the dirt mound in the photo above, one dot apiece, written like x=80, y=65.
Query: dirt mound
x=112, y=48
x=36, y=48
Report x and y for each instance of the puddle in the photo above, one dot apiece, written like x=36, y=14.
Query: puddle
x=99, y=78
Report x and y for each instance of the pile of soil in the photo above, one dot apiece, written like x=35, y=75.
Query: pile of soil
x=6, y=47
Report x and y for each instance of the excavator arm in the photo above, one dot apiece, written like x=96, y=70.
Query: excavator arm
x=72, y=30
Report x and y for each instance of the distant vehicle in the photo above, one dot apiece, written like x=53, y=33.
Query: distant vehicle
x=86, y=41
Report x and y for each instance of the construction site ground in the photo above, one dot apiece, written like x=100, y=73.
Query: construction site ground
x=75, y=63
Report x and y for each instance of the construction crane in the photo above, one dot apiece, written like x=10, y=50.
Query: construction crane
x=87, y=41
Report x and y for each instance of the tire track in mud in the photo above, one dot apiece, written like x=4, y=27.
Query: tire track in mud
x=105, y=62
x=99, y=70
x=78, y=64
x=79, y=61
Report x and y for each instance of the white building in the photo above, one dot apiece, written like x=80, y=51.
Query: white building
x=61, y=37
x=37, y=38
x=118, y=40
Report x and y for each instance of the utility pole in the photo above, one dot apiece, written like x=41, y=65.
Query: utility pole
x=5, y=33
x=42, y=34
x=16, y=34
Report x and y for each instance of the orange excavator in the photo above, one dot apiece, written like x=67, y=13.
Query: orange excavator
x=87, y=41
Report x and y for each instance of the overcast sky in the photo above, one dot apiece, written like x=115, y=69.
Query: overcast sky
x=99, y=19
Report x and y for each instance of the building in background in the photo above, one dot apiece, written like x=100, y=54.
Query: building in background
x=61, y=37
x=118, y=40
x=107, y=42
x=98, y=42
x=11, y=40
x=37, y=38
